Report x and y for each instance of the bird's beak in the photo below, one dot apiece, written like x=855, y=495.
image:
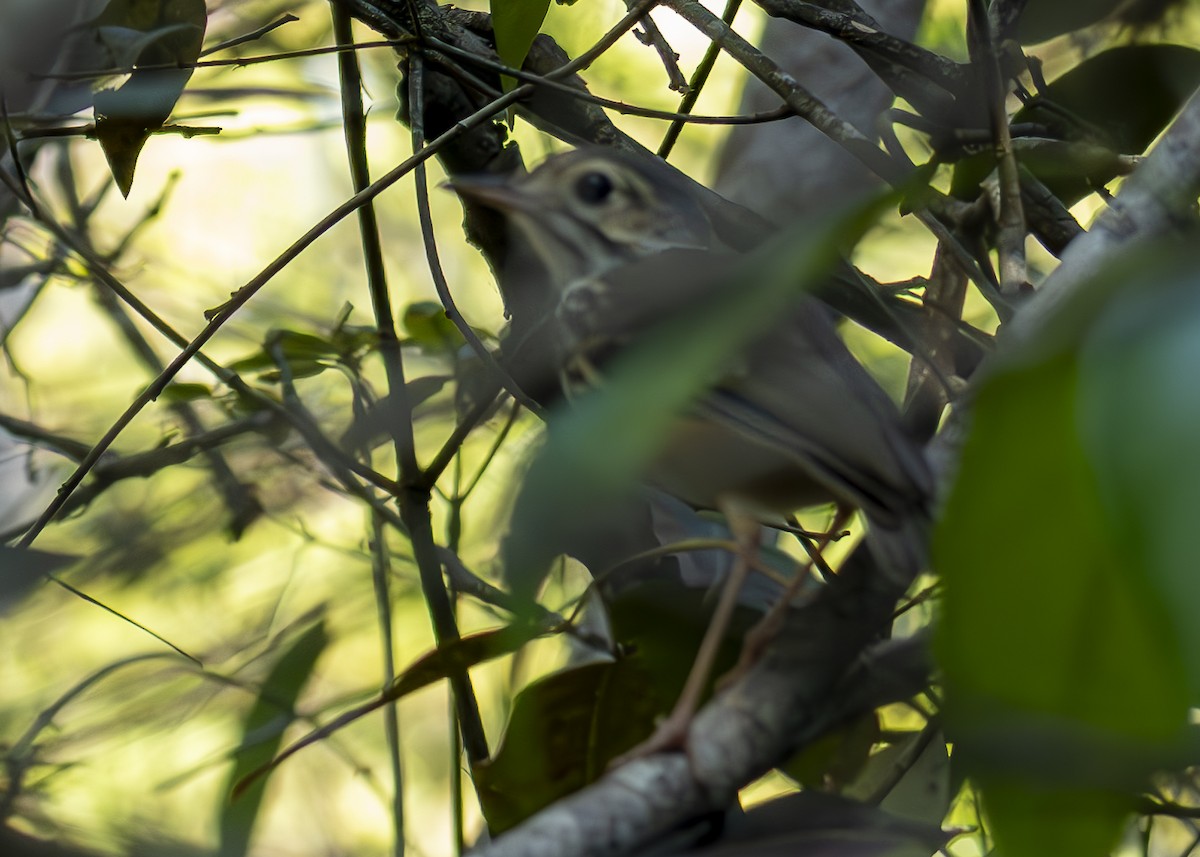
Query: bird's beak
x=492, y=191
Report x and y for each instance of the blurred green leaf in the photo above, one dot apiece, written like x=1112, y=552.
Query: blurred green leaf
x=427, y=325
x=1139, y=408
x=306, y=354
x=515, y=24
x=262, y=734
x=1063, y=641
x=182, y=391
x=352, y=339
x=21, y=569
x=1045, y=19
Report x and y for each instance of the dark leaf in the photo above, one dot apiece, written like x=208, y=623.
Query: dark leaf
x=21, y=569
x=566, y=728
x=823, y=825
x=1071, y=170
x=837, y=757
x=433, y=667
x=909, y=778
x=461, y=655
x=378, y=423
x=1045, y=19
x=140, y=33
x=1120, y=99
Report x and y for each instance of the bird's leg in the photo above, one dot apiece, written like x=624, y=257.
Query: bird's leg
x=764, y=631
x=671, y=733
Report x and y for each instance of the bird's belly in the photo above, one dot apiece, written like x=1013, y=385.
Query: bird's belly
x=702, y=463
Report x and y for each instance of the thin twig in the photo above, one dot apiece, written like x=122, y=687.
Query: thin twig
x=1010, y=219
x=580, y=94
x=390, y=352
x=497, y=443
x=454, y=442
x=236, y=302
x=414, y=504
x=236, y=62
x=943, y=299
x=653, y=37
x=252, y=36
x=789, y=89
x=699, y=78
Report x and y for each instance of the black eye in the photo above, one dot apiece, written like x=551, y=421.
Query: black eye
x=593, y=187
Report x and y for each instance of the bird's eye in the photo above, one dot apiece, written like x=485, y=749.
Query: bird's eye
x=593, y=187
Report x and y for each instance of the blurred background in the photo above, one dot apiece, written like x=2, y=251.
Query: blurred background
x=217, y=608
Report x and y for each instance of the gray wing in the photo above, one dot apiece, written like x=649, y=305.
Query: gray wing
x=796, y=387
x=800, y=388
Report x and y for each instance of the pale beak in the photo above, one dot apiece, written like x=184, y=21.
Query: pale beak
x=493, y=192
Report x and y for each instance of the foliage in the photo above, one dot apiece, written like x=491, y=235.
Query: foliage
x=309, y=559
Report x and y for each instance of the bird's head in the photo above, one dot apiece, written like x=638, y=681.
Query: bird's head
x=586, y=212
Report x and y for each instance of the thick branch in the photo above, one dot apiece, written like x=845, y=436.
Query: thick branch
x=785, y=701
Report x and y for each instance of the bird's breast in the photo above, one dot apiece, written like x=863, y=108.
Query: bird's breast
x=703, y=462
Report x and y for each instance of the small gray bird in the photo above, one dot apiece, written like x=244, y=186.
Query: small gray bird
x=793, y=421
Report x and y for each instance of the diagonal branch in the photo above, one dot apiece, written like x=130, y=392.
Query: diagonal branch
x=788, y=699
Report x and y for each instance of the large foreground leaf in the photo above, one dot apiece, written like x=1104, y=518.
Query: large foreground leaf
x=1068, y=549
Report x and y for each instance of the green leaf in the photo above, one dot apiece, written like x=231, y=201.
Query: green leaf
x=460, y=655
x=547, y=751
x=597, y=447
x=1140, y=420
x=1065, y=641
x=1069, y=169
x=262, y=734
x=515, y=24
x=1115, y=103
x=306, y=354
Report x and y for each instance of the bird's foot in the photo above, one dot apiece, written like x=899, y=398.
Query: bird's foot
x=754, y=644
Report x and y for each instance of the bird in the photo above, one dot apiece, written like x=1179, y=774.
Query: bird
x=793, y=421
